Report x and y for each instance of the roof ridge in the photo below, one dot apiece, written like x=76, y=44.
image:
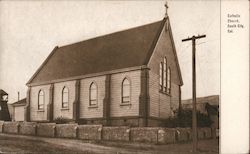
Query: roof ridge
x=20, y=101
x=112, y=33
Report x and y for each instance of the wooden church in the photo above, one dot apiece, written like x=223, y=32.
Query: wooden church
x=130, y=77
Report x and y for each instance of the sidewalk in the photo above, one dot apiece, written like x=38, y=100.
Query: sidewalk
x=30, y=144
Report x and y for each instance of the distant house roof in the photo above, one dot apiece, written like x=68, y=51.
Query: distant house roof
x=20, y=102
x=212, y=100
x=208, y=104
x=124, y=49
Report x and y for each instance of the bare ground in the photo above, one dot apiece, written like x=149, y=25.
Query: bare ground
x=30, y=144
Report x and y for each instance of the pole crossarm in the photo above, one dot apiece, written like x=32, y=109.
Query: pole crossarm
x=193, y=38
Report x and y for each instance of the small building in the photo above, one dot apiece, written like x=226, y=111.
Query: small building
x=18, y=110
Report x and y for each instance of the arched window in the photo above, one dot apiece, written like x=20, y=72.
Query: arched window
x=165, y=74
x=169, y=81
x=41, y=100
x=93, y=94
x=65, y=97
x=125, y=91
x=160, y=75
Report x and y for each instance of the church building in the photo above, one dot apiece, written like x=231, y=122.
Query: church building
x=131, y=77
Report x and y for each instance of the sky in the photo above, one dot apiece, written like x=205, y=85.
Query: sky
x=29, y=30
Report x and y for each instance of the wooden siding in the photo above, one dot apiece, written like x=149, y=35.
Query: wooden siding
x=57, y=104
x=175, y=97
x=118, y=110
x=85, y=110
x=36, y=115
x=161, y=104
x=19, y=113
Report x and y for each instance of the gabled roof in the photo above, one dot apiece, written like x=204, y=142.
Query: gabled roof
x=124, y=49
x=128, y=48
x=20, y=102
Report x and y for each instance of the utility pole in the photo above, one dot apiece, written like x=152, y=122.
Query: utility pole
x=194, y=118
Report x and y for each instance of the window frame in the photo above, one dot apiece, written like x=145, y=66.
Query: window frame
x=160, y=76
x=90, y=95
x=128, y=101
x=169, y=80
x=63, y=93
x=164, y=71
x=40, y=106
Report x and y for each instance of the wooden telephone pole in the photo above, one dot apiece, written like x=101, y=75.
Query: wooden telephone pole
x=194, y=118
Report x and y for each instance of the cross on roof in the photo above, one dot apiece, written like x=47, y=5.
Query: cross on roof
x=166, y=6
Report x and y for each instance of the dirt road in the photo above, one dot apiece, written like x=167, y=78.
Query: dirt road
x=31, y=144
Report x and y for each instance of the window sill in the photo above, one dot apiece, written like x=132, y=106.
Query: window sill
x=169, y=94
x=64, y=109
x=125, y=104
x=40, y=110
x=93, y=106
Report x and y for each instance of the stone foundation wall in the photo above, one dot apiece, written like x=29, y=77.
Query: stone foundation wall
x=144, y=134
x=124, y=121
x=155, y=135
x=116, y=133
x=27, y=128
x=11, y=127
x=90, y=132
x=183, y=134
x=166, y=135
x=66, y=130
x=46, y=129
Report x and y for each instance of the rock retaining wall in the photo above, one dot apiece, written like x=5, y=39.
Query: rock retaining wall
x=27, y=128
x=11, y=127
x=155, y=135
x=90, y=132
x=66, y=130
x=144, y=134
x=116, y=133
x=46, y=129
